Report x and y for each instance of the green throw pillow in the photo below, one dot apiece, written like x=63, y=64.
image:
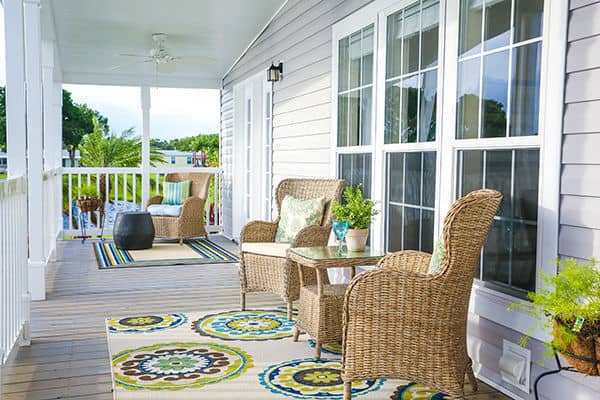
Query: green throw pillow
x=437, y=258
x=175, y=193
x=297, y=214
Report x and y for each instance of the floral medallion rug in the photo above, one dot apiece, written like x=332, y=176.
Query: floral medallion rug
x=231, y=355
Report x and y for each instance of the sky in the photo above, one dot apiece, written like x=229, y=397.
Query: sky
x=174, y=113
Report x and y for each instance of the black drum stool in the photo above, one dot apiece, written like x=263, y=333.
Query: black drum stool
x=133, y=230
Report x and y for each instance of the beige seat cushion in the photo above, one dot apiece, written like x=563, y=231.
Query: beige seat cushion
x=266, y=249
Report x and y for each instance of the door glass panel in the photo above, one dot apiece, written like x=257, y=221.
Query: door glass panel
x=427, y=119
x=356, y=169
x=430, y=21
x=343, y=64
x=392, y=111
x=471, y=15
x=529, y=17
x=526, y=90
x=409, y=109
x=411, y=39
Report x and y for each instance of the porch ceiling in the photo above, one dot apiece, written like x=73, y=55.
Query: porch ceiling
x=90, y=35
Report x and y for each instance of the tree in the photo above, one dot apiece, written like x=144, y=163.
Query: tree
x=78, y=121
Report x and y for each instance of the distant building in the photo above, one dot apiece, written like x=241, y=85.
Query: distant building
x=3, y=162
x=66, y=160
x=178, y=158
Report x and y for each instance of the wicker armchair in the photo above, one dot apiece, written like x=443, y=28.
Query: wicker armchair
x=270, y=271
x=401, y=323
x=191, y=221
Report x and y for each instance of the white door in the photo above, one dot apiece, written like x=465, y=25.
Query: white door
x=252, y=152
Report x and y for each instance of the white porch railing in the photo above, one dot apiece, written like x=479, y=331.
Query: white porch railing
x=123, y=189
x=14, y=303
x=52, y=202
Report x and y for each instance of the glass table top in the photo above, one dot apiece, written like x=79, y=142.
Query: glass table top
x=331, y=253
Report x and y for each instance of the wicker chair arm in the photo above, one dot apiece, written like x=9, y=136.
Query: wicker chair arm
x=154, y=200
x=407, y=260
x=313, y=235
x=259, y=231
x=193, y=207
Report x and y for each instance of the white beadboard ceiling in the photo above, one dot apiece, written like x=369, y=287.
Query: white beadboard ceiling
x=91, y=34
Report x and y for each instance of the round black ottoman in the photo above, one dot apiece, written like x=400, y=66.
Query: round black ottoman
x=133, y=230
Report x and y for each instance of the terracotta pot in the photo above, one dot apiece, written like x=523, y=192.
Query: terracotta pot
x=583, y=347
x=356, y=239
x=88, y=205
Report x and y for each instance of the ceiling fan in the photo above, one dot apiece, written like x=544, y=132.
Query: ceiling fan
x=161, y=57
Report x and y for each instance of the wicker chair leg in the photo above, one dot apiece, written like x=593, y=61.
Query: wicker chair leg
x=318, y=347
x=242, y=301
x=347, y=390
x=471, y=377
x=296, y=333
x=181, y=241
x=290, y=311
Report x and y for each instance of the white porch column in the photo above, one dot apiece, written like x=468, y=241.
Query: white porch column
x=35, y=150
x=16, y=125
x=145, y=92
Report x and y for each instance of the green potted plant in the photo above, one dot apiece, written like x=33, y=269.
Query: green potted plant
x=568, y=304
x=359, y=213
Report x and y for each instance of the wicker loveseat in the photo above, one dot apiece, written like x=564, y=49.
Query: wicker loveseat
x=402, y=323
x=190, y=223
x=263, y=262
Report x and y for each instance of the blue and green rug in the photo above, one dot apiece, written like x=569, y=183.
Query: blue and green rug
x=230, y=355
x=197, y=251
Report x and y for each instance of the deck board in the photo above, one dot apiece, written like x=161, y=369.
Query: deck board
x=69, y=357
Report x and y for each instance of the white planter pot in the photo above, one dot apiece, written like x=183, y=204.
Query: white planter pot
x=356, y=239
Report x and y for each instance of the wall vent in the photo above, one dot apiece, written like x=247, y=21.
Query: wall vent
x=515, y=365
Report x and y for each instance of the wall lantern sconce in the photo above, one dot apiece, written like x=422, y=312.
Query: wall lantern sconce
x=274, y=72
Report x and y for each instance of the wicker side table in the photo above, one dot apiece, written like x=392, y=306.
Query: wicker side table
x=321, y=305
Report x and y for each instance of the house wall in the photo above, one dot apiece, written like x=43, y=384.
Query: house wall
x=300, y=36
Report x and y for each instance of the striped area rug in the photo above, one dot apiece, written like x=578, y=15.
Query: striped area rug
x=197, y=251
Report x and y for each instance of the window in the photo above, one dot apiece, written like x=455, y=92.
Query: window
x=267, y=155
x=173, y=159
x=190, y=160
x=488, y=60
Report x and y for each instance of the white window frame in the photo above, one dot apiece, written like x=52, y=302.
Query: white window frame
x=485, y=302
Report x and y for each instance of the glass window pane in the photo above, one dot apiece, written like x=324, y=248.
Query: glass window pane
x=498, y=165
x=392, y=112
x=410, y=36
x=427, y=225
x=497, y=24
x=495, y=94
x=427, y=122
x=429, y=167
x=527, y=164
x=355, y=60
x=353, y=118
x=366, y=106
x=394, y=234
x=471, y=14
x=367, y=55
x=396, y=177
x=342, y=121
x=412, y=177
x=430, y=21
x=343, y=67
x=472, y=171
x=496, y=253
x=356, y=169
x=524, y=256
x=467, y=110
x=525, y=88
x=529, y=17
x=409, y=109
x=394, y=45
x=411, y=228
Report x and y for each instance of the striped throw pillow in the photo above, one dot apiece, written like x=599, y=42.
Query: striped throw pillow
x=175, y=193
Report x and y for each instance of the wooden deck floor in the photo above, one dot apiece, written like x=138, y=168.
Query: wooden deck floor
x=69, y=357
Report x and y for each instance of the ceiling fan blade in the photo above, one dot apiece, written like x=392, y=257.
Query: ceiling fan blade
x=128, y=65
x=166, y=68
x=200, y=60
x=133, y=55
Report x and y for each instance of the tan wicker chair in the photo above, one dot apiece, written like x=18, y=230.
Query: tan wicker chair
x=191, y=221
x=260, y=272
x=401, y=323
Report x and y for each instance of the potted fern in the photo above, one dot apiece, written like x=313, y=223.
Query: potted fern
x=359, y=213
x=569, y=306
x=88, y=199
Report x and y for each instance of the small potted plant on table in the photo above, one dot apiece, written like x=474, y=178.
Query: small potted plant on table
x=569, y=306
x=88, y=199
x=359, y=213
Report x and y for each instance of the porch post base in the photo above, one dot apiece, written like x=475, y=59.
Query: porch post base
x=37, y=280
